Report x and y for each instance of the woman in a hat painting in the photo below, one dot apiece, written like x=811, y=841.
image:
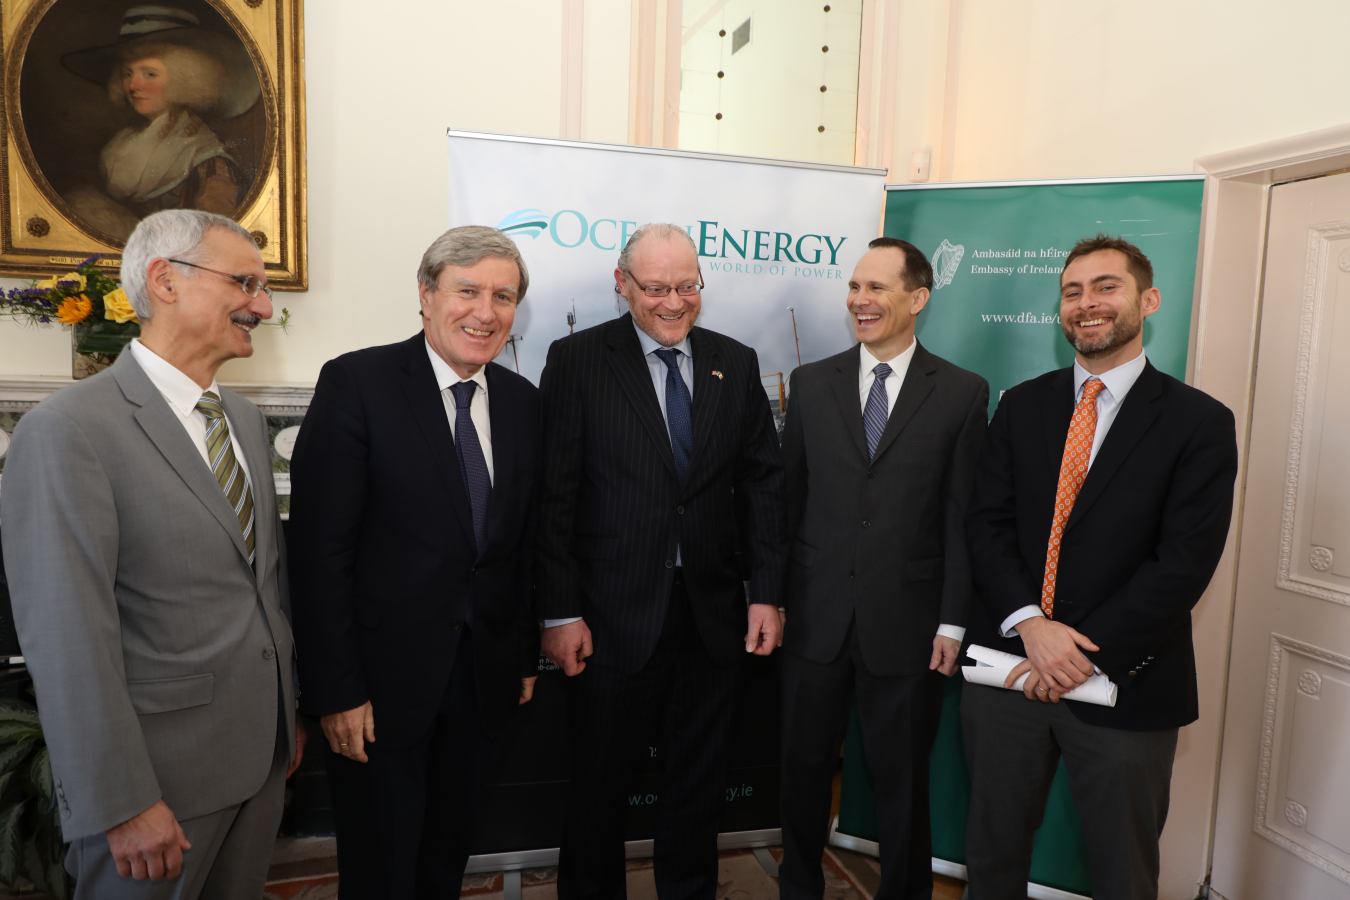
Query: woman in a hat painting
x=171, y=72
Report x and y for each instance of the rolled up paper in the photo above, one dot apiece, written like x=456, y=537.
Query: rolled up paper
x=992, y=668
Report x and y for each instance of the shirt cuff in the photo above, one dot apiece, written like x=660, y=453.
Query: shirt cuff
x=955, y=632
x=1009, y=626
x=554, y=623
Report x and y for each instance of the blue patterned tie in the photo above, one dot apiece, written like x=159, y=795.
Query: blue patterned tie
x=678, y=419
x=875, y=415
x=472, y=464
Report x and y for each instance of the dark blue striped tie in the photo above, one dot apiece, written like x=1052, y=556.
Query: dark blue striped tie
x=472, y=463
x=876, y=413
x=678, y=419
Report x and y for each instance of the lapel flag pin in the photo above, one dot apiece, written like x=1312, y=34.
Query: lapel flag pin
x=718, y=374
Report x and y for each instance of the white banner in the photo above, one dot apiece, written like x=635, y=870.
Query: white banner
x=771, y=235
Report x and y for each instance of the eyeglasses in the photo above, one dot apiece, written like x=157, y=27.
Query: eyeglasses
x=663, y=290
x=250, y=284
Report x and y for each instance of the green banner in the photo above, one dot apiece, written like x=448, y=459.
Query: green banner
x=997, y=251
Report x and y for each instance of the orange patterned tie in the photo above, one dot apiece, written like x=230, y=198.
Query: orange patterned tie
x=1072, y=470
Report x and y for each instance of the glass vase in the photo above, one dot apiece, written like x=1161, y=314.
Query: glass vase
x=95, y=345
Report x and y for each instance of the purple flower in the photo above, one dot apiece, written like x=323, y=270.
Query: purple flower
x=45, y=320
x=89, y=262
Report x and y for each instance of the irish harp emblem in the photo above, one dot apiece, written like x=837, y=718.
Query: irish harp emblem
x=946, y=261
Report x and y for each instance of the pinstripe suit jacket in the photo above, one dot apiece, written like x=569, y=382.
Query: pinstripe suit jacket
x=612, y=512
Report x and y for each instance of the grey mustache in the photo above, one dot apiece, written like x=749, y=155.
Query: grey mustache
x=241, y=318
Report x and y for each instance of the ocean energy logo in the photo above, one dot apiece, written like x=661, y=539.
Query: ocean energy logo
x=525, y=221
x=946, y=260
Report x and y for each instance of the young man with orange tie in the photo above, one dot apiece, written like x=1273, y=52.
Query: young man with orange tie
x=1101, y=506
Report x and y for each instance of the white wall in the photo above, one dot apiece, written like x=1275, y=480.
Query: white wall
x=1042, y=89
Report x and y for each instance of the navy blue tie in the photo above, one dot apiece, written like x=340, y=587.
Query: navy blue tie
x=472, y=463
x=876, y=413
x=678, y=419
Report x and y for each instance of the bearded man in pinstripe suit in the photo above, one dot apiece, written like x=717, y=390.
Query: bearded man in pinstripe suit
x=662, y=494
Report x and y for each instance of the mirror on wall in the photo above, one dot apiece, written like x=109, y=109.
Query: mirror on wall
x=776, y=80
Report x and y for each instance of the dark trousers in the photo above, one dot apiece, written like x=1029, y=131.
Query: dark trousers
x=899, y=721
x=687, y=703
x=405, y=818
x=1120, y=780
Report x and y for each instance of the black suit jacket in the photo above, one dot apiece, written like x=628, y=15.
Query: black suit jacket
x=612, y=511
x=1139, y=548
x=382, y=553
x=882, y=539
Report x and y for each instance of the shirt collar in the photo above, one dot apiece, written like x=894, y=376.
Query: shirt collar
x=447, y=377
x=1118, y=380
x=650, y=345
x=178, y=389
x=899, y=363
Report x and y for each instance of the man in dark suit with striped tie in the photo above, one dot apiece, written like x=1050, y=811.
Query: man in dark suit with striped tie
x=879, y=447
x=662, y=494
x=411, y=527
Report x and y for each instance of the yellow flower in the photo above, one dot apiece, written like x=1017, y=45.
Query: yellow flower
x=117, y=307
x=47, y=284
x=74, y=310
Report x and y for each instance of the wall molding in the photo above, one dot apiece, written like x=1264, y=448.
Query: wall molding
x=279, y=399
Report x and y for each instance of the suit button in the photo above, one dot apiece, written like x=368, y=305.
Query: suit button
x=670, y=564
x=871, y=474
x=1134, y=672
x=679, y=510
x=473, y=571
x=269, y=652
x=867, y=524
x=850, y=574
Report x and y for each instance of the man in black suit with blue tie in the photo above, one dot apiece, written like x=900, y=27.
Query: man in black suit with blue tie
x=412, y=507
x=661, y=496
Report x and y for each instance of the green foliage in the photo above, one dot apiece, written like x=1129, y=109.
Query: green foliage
x=30, y=825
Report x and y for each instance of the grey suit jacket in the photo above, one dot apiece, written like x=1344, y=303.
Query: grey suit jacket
x=881, y=539
x=159, y=656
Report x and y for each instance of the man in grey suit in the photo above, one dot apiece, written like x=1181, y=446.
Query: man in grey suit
x=879, y=451
x=144, y=555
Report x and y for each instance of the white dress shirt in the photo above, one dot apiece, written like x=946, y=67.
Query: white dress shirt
x=866, y=376
x=446, y=378
x=899, y=364
x=182, y=394
x=1118, y=382
x=658, y=371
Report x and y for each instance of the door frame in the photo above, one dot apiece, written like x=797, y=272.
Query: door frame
x=1225, y=327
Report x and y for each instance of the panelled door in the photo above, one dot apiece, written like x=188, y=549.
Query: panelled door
x=1283, y=824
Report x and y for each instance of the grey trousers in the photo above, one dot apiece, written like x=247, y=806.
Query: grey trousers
x=230, y=855
x=1120, y=780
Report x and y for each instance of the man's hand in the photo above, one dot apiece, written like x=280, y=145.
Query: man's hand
x=348, y=732
x=946, y=653
x=300, y=738
x=766, y=629
x=1053, y=657
x=527, y=688
x=149, y=845
x=568, y=646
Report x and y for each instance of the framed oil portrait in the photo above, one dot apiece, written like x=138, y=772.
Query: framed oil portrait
x=116, y=109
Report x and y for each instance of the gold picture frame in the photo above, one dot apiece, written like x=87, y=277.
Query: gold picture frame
x=225, y=124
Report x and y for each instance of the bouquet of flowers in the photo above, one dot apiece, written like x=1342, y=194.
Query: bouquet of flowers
x=86, y=299
x=84, y=296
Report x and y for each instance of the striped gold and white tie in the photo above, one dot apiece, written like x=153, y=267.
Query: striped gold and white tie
x=228, y=472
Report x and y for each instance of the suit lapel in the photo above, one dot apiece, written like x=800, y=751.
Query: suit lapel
x=914, y=390
x=165, y=430
x=504, y=444
x=707, y=387
x=1133, y=419
x=244, y=424
x=845, y=385
x=630, y=368
x=428, y=409
x=1056, y=413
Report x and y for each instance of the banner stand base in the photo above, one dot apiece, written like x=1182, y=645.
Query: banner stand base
x=940, y=866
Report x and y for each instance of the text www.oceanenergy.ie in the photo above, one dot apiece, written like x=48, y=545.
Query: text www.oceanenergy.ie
x=1025, y=318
